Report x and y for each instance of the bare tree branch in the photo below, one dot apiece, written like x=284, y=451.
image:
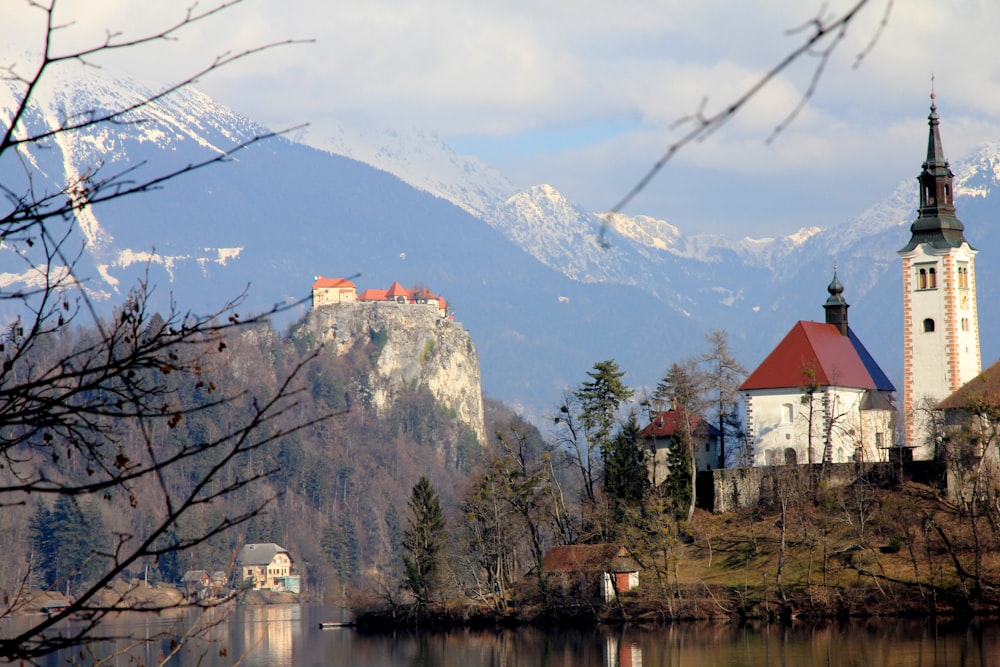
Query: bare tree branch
x=822, y=38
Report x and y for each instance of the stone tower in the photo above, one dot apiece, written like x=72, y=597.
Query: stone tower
x=940, y=321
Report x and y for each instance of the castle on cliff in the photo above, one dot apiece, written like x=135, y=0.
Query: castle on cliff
x=328, y=291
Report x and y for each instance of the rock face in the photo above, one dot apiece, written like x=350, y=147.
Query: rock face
x=418, y=346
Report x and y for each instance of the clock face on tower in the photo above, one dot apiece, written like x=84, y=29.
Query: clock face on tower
x=965, y=302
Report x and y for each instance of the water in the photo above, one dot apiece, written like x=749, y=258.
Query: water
x=286, y=635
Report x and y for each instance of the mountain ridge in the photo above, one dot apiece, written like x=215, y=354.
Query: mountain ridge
x=541, y=296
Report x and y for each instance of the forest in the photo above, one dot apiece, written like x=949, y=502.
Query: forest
x=407, y=512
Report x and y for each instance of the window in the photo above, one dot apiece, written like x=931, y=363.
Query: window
x=926, y=276
x=786, y=413
x=963, y=276
x=928, y=325
x=965, y=324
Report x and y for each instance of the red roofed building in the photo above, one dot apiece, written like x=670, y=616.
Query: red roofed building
x=661, y=432
x=333, y=290
x=819, y=396
x=591, y=572
x=328, y=291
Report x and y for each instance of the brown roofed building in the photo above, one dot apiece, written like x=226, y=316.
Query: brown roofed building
x=591, y=572
x=972, y=422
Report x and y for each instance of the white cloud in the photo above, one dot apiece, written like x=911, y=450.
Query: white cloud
x=519, y=70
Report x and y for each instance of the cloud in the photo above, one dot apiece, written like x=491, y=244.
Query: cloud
x=591, y=91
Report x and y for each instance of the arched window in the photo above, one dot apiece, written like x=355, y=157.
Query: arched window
x=963, y=276
x=928, y=325
x=791, y=457
x=922, y=279
x=931, y=279
x=965, y=324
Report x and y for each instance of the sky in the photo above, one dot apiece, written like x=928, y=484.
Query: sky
x=586, y=95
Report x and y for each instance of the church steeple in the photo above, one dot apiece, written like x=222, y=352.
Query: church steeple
x=940, y=316
x=835, y=306
x=936, y=223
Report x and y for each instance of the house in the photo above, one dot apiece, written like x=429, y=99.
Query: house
x=333, y=290
x=267, y=565
x=197, y=584
x=819, y=396
x=591, y=572
x=970, y=417
x=661, y=433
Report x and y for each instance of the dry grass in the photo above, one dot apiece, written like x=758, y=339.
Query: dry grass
x=856, y=550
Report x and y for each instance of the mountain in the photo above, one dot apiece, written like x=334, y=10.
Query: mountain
x=526, y=271
x=755, y=288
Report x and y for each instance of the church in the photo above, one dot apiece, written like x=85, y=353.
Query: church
x=820, y=397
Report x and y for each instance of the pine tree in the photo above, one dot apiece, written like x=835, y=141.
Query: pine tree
x=626, y=477
x=422, y=540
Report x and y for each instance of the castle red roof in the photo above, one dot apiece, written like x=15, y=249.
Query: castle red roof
x=372, y=295
x=322, y=282
x=819, y=350
x=398, y=290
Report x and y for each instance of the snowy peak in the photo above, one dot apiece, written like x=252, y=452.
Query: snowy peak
x=417, y=157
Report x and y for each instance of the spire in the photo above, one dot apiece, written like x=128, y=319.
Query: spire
x=936, y=222
x=835, y=306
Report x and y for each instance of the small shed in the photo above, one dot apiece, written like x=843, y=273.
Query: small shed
x=591, y=572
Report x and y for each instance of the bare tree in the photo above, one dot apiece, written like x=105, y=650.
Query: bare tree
x=723, y=376
x=87, y=401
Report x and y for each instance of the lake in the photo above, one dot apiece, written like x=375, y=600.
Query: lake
x=286, y=635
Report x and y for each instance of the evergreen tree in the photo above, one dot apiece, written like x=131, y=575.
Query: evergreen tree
x=626, y=477
x=341, y=547
x=677, y=487
x=422, y=540
x=42, y=544
x=588, y=416
x=68, y=540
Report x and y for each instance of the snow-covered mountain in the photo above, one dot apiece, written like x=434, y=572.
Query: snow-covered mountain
x=754, y=287
x=542, y=296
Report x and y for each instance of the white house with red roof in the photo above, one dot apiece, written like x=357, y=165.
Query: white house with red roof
x=820, y=396
x=661, y=433
x=333, y=290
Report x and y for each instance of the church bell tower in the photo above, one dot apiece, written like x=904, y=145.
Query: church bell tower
x=940, y=321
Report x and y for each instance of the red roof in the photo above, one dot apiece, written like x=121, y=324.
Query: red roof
x=664, y=424
x=397, y=290
x=372, y=295
x=813, y=347
x=333, y=282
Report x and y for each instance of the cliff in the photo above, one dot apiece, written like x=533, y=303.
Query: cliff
x=417, y=348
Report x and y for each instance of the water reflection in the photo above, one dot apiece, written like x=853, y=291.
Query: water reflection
x=287, y=635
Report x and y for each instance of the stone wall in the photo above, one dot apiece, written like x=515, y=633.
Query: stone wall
x=730, y=489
